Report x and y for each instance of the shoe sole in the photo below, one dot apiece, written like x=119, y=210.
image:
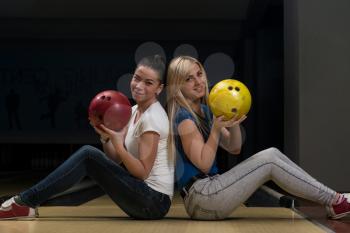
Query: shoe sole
x=23, y=218
x=339, y=215
x=18, y=218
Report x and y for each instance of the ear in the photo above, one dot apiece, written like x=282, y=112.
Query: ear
x=160, y=88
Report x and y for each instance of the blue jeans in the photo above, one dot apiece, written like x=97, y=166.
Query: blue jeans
x=132, y=195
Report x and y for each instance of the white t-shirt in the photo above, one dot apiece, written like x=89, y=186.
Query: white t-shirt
x=155, y=119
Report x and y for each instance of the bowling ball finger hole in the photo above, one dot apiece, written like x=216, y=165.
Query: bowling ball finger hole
x=237, y=89
x=230, y=88
x=234, y=110
x=108, y=98
x=100, y=117
x=103, y=97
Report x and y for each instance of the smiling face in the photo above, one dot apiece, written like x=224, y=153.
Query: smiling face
x=194, y=85
x=145, y=85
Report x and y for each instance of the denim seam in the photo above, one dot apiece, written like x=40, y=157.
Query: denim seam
x=249, y=174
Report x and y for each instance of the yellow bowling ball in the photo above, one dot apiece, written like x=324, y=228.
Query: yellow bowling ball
x=230, y=97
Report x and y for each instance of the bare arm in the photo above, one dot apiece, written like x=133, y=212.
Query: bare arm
x=109, y=150
x=108, y=147
x=147, y=150
x=148, y=146
x=231, y=137
x=201, y=154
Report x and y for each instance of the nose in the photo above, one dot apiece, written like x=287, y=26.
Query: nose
x=197, y=80
x=139, y=85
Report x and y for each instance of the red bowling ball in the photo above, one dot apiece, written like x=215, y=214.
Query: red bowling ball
x=110, y=108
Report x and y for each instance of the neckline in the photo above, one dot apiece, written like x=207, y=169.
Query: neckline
x=200, y=116
x=136, y=111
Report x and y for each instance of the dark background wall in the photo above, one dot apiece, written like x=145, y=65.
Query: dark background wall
x=54, y=81
x=317, y=79
x=56, y=55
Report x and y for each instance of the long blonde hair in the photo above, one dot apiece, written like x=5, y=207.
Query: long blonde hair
x=178, y=70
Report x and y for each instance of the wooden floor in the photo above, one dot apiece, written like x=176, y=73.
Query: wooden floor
x=103, y=216
x=318, y=213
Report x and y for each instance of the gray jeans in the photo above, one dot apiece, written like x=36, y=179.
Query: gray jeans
x=216, y=197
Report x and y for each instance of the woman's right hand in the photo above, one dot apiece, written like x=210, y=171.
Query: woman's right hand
x=116, y=137
x=220, y=122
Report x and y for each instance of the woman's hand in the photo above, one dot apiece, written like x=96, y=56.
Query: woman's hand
x=117, y=138
x=220, y=122
x=108, y=134
x=99, y=131
x=231, y=139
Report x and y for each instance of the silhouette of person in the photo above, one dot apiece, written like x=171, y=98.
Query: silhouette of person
x=53, y=101
x=12, y=106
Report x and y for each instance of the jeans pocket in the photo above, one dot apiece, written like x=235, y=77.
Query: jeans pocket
x=156, y=208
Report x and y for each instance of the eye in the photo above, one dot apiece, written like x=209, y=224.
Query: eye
x=189, y=79
x=136, y=78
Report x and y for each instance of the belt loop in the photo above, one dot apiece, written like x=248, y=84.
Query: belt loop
x=185, y=192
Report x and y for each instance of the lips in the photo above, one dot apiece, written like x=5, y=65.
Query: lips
x=137, y=93
x=199, y=89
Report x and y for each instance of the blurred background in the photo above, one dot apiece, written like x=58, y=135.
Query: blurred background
x=293, y=55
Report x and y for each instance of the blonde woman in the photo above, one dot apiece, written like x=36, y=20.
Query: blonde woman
x=195, y=138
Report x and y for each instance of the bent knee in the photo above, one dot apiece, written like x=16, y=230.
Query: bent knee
x=91, y=151
x=269, y=154
x=87, y=148
x=273, y=150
